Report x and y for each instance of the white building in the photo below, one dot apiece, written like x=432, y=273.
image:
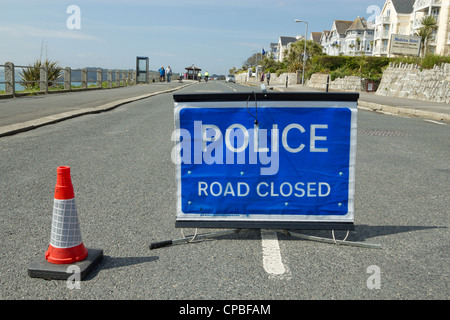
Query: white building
x=325, y=41
x=393, y=19
x=440, y=9
x=359, y=38
x=404, y=16
x=334, y=42
x=348, y=38
x=284, y=44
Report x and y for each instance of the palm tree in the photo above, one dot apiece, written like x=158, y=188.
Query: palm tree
x=429, y=24
x=294, y=57
x=31, y=75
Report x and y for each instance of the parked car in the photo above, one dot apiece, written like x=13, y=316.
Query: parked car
x=230, y=78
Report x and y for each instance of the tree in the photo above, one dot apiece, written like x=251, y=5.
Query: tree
x=33, y=73
x=253, y=60
x=294, y=58
x=429, y=24
x=232, y=70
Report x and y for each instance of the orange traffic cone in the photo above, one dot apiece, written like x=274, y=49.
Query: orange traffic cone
x=66, y=246
x=65, y=240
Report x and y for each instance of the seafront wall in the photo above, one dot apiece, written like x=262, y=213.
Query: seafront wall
x=411, y=82
x=69, y=80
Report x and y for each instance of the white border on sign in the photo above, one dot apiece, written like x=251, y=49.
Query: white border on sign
x=349, y=217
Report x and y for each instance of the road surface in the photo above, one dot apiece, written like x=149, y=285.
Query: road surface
x=125, y=191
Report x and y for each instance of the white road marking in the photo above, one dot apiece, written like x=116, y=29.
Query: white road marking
x=226, y=85
x=435, y=122
x=271, y=253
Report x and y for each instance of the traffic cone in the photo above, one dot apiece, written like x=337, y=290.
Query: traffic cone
x=65, y=240
x=66, y=246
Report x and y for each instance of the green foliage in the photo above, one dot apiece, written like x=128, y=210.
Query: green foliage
x=294, y=57
x=33, y=73
x=429, y=24
x=430, y=60
x=368, y=67
x=342, y=66
x=280, y=71
x=340, y=73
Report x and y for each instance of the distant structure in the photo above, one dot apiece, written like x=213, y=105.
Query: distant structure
x=191, y=72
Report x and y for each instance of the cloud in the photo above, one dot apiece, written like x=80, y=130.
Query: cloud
x=20, y=31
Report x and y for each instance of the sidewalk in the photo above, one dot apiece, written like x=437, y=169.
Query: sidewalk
x=29, y=112
x=26, y=113
x=372, y=102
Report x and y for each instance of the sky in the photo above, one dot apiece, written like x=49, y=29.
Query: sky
x=214, y=35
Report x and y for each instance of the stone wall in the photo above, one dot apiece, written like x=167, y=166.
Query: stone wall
x=292, y=78
x=319, y=80
x=408, y=81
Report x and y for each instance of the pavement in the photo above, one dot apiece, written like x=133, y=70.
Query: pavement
x=28, y=112
x=25, y=113
x=387, y=105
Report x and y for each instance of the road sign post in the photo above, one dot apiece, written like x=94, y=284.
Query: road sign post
x=265, y=160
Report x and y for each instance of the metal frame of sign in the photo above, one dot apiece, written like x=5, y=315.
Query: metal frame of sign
x=342, y=107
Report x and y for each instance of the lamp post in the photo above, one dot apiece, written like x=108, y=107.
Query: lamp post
x=304, y=55
x=256, y=53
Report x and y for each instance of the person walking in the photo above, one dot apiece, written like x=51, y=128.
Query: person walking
x=268, y=77
x=162, y=74
x=169, y=74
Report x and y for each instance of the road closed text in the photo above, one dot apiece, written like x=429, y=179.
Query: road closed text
x=264, y=189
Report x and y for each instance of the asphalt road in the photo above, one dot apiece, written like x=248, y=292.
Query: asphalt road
x=125, y=190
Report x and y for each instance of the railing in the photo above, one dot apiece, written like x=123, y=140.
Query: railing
x=380, y=49
x=88, y=79
x=422, y=4
x=384, y=19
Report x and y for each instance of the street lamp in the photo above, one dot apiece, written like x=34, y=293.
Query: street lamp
x=256, y=53
x=304, y=55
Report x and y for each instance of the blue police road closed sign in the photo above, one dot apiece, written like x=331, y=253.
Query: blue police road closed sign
x=280, y=160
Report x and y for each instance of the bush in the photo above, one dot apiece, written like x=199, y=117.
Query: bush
x=280, y=71
x=367, y=67
x=33, y=73
x=430, y=60
x=340, y=73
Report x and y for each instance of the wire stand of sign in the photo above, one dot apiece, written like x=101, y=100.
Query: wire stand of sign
x=188, y=239
x=333, y=241
x=196, y=236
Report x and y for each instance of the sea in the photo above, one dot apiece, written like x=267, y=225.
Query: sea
x=20, y=87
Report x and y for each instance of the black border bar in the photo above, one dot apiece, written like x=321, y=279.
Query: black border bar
x=301, y=225
x=267, y=96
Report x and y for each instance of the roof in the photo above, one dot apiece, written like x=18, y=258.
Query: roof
x=193, y=68
x=358, y=24
x=286, y=40
x=403, y=6
x=342, y=25
x=316, y=36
